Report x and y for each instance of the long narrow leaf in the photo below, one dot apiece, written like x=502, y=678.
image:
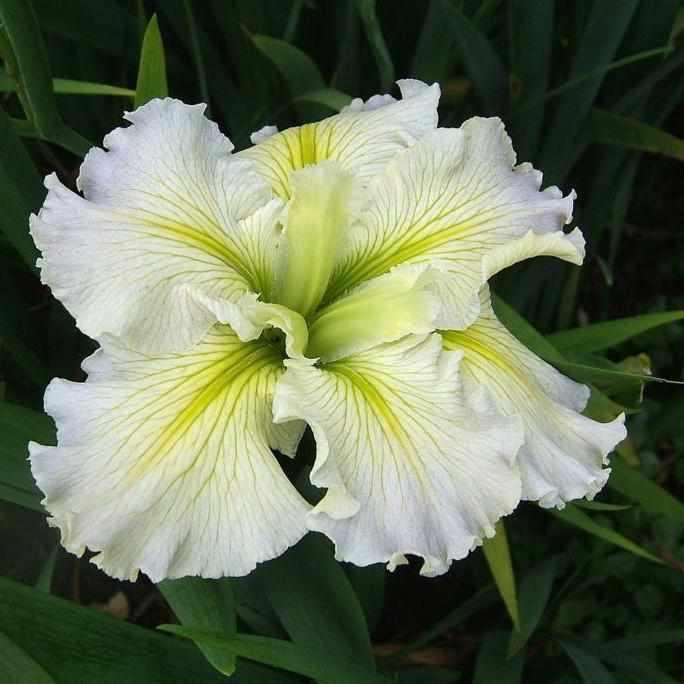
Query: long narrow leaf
x=573, y=516
x=600, y=336
x=535, y=590
x=651, y=497
x=18, y=667
x=208, y=605
x=20, y=192
x=152, y=69
x=284, y=655
x=383, y=60
x=498, y=557
x=315, y=602
x=615, y=129
x=78, y=644
x=590, y=668
x=67, y=86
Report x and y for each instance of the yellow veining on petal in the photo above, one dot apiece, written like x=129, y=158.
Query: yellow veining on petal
x=228, y=375
x=290, y=150
x=372, y=395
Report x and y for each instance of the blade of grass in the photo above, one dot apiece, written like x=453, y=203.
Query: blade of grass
x=66, y=86
x=20, y=192
x=613, y=129
x=531, y=24
x=18, y=667
x=205, y=604
x=604, y=31
x=383, y=60
x=284, y=655
x=482, y=62
x=573, y=516
x=315, y=602
x=197, y=57
x=535, y=590
x=151, y=81
x=607, y=334
x=498, y=557
x=650, y=496
x=27, y=63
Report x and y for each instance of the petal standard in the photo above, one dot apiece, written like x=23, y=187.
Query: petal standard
x=564, y=452
x=362, y=137
x=163, y=462
x=408, y=467
x=456, y=200
x=169, y=220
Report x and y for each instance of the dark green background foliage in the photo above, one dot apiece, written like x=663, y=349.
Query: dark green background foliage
x=591, y=92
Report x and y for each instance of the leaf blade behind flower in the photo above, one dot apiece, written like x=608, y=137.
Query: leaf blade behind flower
x=151, y=81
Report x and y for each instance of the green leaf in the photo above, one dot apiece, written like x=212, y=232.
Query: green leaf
x=66, y=86
x=27, y=62
x=610, y=378
x=76, y=644
x=18, y=425
x=495, y=665
x=590, y=668
x=152, y=68
x=604, y=30
x=368, y=583
x=298, y=69
x=481, y=60
x=638, y=669
x=284, y=655
x=21, y=192
x=645, y=641
x=600, y=506
x=28, y=53
x=599, y=336
x=328, y=97
x=433, y=55
x=531, y=24
x=315, y=602
x=524, y=332
x=197, y=56
x=18, y=667
x=535, y=590
x=104, y=25
x=498, y=557
x=613, y=129
x=205, y=604
x=383, y=60
x=573, y=516
x=44, y=581
x=650, y=496
x=483, y=599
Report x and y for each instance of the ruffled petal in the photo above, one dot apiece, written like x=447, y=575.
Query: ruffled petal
x=564, y=452
x=456, y=200
x=163, y=463
x=168, y=215
x=363, y=137
x=408, y=467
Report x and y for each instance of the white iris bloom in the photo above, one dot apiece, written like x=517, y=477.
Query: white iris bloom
x=334, y=275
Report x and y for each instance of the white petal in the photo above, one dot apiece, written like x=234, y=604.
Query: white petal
x=362, y=137
x=167, y=215
x=163, y=462
x=409, y=469
x=264, y=133
x=455, y=200
x=564, y=452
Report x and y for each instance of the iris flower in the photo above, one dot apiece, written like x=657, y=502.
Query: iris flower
x=332, y=275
